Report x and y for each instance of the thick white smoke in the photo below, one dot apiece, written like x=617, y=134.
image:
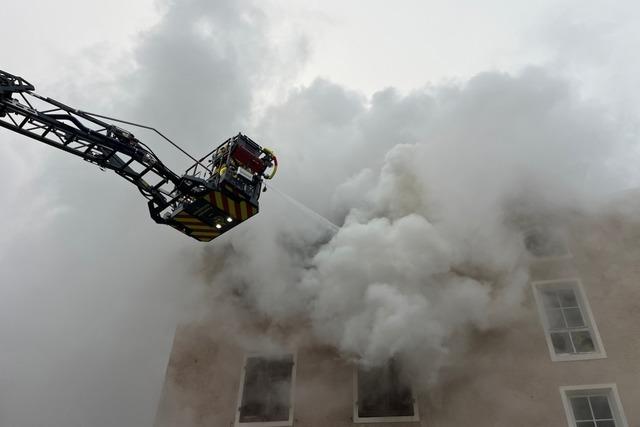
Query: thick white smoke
x=429, y=247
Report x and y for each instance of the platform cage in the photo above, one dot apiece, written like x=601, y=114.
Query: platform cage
x=225, y=188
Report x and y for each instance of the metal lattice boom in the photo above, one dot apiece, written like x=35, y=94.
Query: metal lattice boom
x=111, y=147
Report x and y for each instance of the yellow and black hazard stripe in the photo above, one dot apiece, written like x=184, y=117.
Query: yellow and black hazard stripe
x=238, y=210
x=197, y=228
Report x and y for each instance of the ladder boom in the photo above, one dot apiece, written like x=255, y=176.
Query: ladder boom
x=203, y=203
x=78, y=133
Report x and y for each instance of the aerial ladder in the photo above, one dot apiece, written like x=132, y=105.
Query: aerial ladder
x=218, y=192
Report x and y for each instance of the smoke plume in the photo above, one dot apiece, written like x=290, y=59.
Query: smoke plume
x=431, y=191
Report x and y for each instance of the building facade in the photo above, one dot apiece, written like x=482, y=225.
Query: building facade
x=572, y=358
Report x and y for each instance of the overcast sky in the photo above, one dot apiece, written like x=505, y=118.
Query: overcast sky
x=91, y=289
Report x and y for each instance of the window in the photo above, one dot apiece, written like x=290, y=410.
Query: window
x=382, y=395
x=593, y=406
x=266, y=391
x=569, y=326
x=546, y=242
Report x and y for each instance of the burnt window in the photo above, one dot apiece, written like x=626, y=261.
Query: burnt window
x=266, y=390
x=384, y=393
x=545, y=242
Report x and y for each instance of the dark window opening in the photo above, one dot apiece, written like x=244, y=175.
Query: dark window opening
x=545, y=242
x=382, y=392
x=266, y=395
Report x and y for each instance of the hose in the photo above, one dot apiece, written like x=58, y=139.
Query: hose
x=275, y=163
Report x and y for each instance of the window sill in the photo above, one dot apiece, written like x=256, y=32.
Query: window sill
x=288, y=423
x=413, y=418
x=575, y=357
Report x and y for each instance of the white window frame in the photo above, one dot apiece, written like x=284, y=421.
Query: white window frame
x=611, y=390
x=585, y=309
x=562, y=236
x=243, y=371
x=402, y=419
